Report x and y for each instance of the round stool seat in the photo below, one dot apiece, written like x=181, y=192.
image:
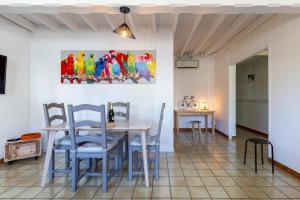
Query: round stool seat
x=258, y=141
x=196, y=122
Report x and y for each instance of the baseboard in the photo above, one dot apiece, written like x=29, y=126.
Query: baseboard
x=262, y=134
x=221, y=133
x=1, y=160
x=190, y=129
x=285, y=168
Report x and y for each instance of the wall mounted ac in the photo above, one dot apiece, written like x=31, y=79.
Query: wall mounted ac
x=187, y=64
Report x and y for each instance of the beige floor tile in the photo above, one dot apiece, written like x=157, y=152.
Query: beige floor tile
x=175, y=172
x=201, y=166
x=290, y=192
x=194, y=181
x=180, y=192
x=161, y=192
x=126, y=182
x=226, y=181
x=210, y=181
x=254, y=192
x=105, y=195
x=49, y=192
x=217, y=192
x=177, y=181
x=65, y=193
x=142, y=193
x=124, y=192
x=12, y=192
x=30, y=192
x=242, y=181
x=235, y=192
x=162, y=181
x=198, y=192
x=190, y=172
x=273, y=192
x=205, y=172
x=219, y=172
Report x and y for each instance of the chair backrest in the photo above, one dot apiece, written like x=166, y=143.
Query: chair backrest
x=119, y=113
x=49, y=119
x=77, y=139
x=160, y=122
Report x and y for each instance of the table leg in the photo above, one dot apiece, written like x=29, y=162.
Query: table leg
x=145, y=159
x=51, y=138
x=206, y=123
x=213, y=124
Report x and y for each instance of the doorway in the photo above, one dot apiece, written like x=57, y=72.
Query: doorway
x=248, y=95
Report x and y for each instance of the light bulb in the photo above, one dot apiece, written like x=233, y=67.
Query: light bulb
x=124, y=33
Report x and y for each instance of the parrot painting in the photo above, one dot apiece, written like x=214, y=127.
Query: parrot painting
x=99, y=68
x=131, y=63
x=79, y=65
x=116, y=68
x=90, y=68
x=70, y=67
x=108, y=67
x=142, y=68
x=122, y=61
x=63, y=70
x=151, y=63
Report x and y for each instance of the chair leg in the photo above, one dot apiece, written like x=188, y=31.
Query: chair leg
x=67, y=159
x=118, y=158
x=52, y=166
x=255, y=155
x=245, y=153
x=193, y=130
x=262, y=154
x=200, y=132
x=272, y=158
x=156, y=163
x=104, y=172
x=121, y=155
x=126, y=146
x=130, y=152
x=74, y=171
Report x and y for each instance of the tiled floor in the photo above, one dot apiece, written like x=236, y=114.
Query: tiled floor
x=205, y=169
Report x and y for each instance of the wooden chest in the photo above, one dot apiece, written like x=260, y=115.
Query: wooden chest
x=22, y=149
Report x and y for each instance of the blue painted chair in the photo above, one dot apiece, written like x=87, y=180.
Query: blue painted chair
x=122, y=112
x=87, y=147
x=61, y=144
x=153, y=145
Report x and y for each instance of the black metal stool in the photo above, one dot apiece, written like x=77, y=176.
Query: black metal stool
x=261, y=142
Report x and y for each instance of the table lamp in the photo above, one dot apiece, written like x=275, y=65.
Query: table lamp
x=203, y=105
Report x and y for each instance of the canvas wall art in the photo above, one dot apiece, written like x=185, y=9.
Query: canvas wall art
x=112, y=67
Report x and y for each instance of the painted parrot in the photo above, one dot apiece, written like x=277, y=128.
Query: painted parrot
x=99, y=68
x=116, y=67
x=79, y=64
x=131, y=63
x=122, y=61
x=63, y=70
x=108, y=67
x=151, y=63
x=70, y=67
x=142, y=68
x=90, y=66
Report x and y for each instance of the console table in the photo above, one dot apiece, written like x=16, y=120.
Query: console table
x=205, y=113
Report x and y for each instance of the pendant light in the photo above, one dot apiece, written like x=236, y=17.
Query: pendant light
x=124, y=30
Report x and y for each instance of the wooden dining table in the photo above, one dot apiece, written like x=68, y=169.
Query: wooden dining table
x=133, y=127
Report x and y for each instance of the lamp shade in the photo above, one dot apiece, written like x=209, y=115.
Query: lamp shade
x=124, y=31
x=203, y=105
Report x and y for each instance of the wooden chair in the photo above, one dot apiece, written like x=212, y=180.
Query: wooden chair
x=122, y=112
x=63, y=143
x=87, y=147
x=153, y=145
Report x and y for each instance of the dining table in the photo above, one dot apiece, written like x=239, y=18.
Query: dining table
x=135, y=127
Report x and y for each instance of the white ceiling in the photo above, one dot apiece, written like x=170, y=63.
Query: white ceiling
x=197, y=29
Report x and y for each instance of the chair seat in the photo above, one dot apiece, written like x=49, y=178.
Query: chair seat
x=91, y=147
x=136, y=141
x=196, y=122
x=258, y=141
x=63, y=141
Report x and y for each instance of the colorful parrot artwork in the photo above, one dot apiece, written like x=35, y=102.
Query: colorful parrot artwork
x=142, y=68
x=70, y=68
x=108, y=67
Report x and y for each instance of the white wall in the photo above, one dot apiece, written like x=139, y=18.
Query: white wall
x=252, y=97
x=198, y=82
x=281, y=35
x=15, y=104
x=145, y=99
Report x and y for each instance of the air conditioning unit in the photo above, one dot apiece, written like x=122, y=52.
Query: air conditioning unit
x=187, y=64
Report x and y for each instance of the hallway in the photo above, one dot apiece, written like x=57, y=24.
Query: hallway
x=209, y=169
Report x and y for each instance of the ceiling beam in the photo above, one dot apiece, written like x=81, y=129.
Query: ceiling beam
x=154, y=25
x=175, y=23
x=194, y=28
x=47, y=21
x=69, y=22
x=110, y=23
x=231, y=31
x=210, y=33
x=131, y=22
x=21, y=21
x=90, y=20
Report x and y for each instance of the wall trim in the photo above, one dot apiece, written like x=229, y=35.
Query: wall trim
x=221, y=133
x=285, y=168
x=256, y=132
x=189, y=130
